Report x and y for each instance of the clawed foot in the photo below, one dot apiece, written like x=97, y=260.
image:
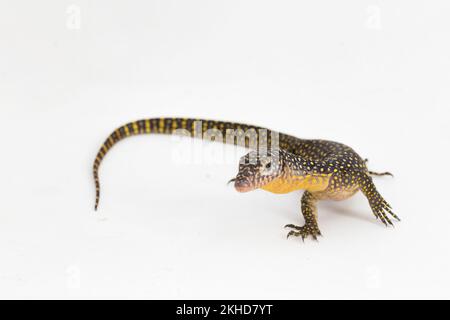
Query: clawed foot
x=380, y=211
x=303, y=231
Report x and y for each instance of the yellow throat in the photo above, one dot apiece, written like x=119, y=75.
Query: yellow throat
x=292, y=183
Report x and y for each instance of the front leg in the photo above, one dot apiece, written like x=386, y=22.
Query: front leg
x=309, y=211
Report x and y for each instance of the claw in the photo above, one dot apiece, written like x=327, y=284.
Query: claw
x=303, y=232
x=293, y=226
x=388, y=209
x=389, y=221
x=382, y=219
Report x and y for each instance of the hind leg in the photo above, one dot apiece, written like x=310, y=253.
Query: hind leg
x=379, y=206
x=373, y=173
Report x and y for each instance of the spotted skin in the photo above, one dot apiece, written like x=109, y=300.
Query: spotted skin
x=324, y=169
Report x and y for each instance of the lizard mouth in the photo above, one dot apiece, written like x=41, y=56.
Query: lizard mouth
x=242, y=184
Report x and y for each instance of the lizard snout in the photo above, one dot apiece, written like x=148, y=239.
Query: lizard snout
x=243, y=184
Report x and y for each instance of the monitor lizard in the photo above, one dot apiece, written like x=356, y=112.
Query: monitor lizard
x=277, y=162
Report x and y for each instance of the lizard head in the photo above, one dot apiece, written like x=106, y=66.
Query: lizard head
x=258, y=169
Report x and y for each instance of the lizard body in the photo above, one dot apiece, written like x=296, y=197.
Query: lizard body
x=277, y=162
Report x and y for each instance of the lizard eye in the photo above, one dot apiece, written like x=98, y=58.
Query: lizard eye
x=266, y=168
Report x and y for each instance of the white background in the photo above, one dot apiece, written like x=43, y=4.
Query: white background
x=372, y=74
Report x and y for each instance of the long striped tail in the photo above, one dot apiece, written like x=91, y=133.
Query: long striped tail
x=195, y=127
